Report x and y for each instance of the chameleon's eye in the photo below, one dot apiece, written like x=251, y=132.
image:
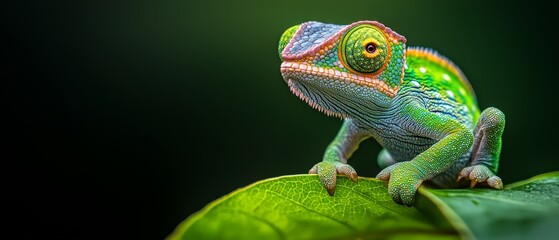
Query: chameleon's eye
x=371, y=48
x=364, y=49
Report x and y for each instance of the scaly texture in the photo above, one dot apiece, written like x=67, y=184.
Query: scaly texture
x=416, y=103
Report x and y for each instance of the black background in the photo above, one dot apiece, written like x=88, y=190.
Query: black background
x=131, y=116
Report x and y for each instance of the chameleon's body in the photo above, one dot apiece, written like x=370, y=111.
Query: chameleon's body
x=417, y=104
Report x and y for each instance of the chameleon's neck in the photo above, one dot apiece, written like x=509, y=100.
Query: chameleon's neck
x=366, y=107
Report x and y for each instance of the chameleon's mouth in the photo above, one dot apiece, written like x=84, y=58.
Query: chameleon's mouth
x=304, y=72
x=294, y=76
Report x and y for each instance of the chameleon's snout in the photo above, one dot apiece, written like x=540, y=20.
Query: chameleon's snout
x=285, y=38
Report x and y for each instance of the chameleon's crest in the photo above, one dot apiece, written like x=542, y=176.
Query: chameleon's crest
x=434, y=56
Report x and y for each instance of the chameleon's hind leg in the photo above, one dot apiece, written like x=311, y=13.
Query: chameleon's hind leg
x=486, y=150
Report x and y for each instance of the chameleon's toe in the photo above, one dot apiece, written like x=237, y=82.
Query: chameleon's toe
x=327, y=172
x=403, y=192
x=403, y=181
x=385, y=173
x=480, y=174
x=495, y=182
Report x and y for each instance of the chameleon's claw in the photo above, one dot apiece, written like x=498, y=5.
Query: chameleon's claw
x=314, y=169
x=480, y=174
x=347, y=171
x=495, y=182
x=327, y=172
x=331, y=191
x=473, y=183
x=353, y=177
x=385, y=173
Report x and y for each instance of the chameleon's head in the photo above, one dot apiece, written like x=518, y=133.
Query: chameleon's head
x=330, y=65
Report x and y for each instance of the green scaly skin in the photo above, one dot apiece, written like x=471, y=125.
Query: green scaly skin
x=416, y=103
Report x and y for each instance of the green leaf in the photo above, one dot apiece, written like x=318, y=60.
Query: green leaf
x=524, y=210
x=298, y=207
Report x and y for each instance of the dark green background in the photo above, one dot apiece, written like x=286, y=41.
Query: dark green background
x=130, y=116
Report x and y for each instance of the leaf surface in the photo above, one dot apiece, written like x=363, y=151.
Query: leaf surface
x=298, y=207
x=523, y=210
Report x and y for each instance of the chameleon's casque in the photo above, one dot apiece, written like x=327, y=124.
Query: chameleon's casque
x=416, y=103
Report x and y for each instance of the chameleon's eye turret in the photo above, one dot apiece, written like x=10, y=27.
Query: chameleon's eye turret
x=364, y=49
x=285, y=38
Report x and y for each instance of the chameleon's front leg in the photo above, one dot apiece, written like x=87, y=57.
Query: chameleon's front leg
x=335, y=157
x=454, y=140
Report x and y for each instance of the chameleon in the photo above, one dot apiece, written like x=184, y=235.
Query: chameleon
x=416, y=103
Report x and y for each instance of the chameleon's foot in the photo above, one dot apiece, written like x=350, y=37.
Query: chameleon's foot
x=403, y=180
x=327, y=172
x=478, y=174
